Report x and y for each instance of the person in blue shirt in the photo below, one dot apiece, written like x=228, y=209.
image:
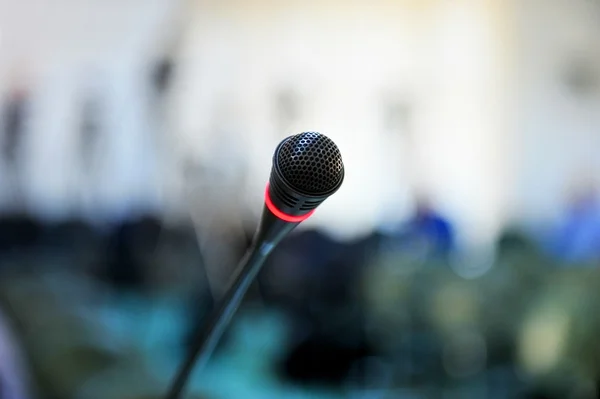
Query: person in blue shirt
x=426, y=236
x=577, y=240
x=432, y=228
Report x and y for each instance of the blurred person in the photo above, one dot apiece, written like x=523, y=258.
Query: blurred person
x=162, y=75
x=518, y=274
x=556, y=340
x=19, y=235
x=290, y=275
x=577, y=239
x=316, y=280
x=73, y=244
x=14, y=380
x=428, y=235
x=90, y=130
x=15, y=114
x=130, y=241
x=433, y=228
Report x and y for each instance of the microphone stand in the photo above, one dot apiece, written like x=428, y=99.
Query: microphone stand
x=271, y=231
x=275, y=223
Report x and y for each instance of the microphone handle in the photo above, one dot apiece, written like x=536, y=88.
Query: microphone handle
x=207, y=341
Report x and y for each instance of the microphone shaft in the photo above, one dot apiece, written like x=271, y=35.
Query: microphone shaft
x=207, y=341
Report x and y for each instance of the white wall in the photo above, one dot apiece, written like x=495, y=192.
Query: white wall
x=344, y=59
x=58, y=50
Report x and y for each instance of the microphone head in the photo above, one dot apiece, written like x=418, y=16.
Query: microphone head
x=310, y=163
x=307, y=169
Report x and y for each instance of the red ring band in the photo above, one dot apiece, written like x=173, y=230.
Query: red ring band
x=283, y=216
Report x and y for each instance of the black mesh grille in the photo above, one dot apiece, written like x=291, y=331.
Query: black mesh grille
x=311, y=163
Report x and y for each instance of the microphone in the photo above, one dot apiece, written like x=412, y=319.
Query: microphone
x=307, y=169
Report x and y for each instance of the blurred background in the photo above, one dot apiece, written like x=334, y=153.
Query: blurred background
x=459, y=259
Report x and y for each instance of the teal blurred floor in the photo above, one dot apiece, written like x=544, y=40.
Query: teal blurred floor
x=141, y=336
x=241, y=369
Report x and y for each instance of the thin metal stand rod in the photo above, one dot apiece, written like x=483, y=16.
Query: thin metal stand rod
x=208, y=339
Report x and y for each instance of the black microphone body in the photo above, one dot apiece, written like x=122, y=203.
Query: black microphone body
x=307, y=169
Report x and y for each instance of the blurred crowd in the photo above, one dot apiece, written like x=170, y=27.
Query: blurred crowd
x=97, y=311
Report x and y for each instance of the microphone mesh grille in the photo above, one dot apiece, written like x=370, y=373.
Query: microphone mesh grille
x=311, y=162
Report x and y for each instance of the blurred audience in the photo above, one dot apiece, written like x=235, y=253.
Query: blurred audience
x=92, y=303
